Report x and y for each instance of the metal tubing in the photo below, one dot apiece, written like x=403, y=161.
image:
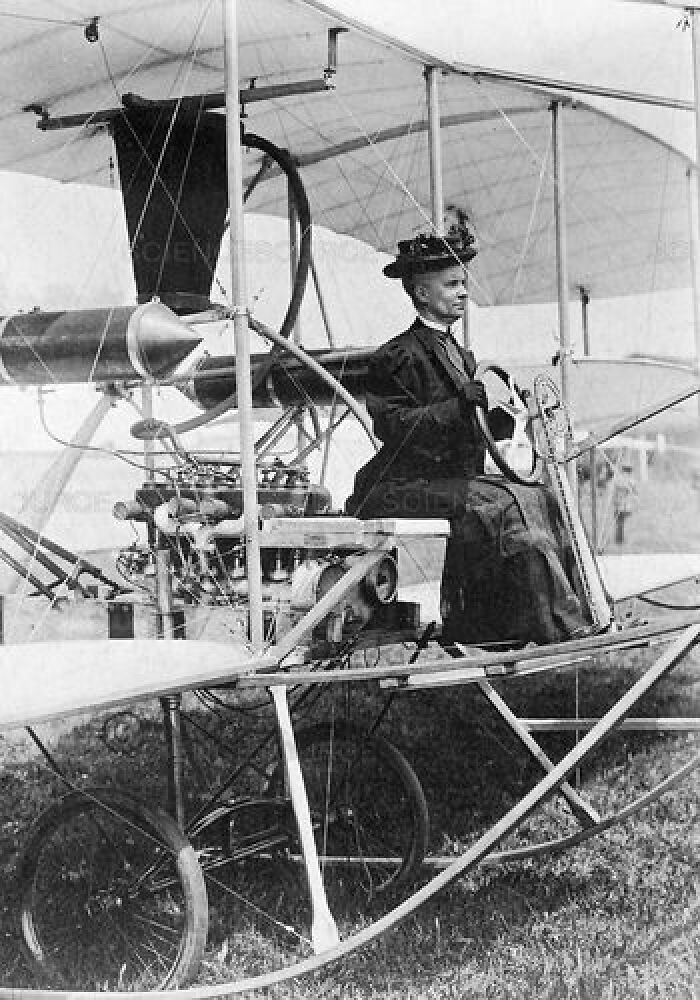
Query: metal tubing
x=192, y=102
x=575, y=86
x=170, y=704
x=437, y=207
x=172, y=723
x=694, y=15
x=437, y=210
x=294, y=255
x=585, y=301
x=149, y=445
x=694, y=229
x=338, y=389
x=322, y=304
x=562, y=265
x=293, y=224
x=240, y=323
x=466, y=319
x=694, y=232
x=593, y=487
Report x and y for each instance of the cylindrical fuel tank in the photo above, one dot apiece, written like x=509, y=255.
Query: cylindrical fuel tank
x=288, y=380
x=93, y=345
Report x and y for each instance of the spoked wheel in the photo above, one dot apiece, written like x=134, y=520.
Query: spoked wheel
x=370, y=822
x=112, y=896
x=368, y=809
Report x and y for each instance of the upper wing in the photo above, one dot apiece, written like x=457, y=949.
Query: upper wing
x=361, y=144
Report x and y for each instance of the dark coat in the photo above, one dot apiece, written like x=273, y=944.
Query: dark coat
x=508, y=565
x=430, y=445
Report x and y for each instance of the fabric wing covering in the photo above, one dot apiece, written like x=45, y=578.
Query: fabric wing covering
x=362, y=144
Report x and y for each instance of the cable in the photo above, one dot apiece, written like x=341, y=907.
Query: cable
x=668, y=604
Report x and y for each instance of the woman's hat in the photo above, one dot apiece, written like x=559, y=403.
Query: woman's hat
x=432, y=253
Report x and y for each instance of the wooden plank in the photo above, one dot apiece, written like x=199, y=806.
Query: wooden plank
x=346, y=533
x=478, y=665
x=661, y=724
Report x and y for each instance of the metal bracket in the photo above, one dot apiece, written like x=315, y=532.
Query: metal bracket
x=332, y=67
x=194, y=103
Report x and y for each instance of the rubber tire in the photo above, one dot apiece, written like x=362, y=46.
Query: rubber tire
x=405, y=776
x=155, y=824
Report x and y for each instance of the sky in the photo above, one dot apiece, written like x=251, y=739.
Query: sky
x=619, y=44
x=62, y=247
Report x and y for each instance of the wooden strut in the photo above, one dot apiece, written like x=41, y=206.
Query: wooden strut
x=324, y=933
x=582, y=810
x=585, y=813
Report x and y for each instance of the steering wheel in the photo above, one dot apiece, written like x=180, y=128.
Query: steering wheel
x=513, y=404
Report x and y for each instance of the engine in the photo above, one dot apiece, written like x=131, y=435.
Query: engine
x=195, y=514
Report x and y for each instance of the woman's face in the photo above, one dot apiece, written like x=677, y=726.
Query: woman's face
x=441, y=295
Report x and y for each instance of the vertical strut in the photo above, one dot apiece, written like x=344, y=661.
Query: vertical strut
x=241, y=332
x=171, y=704
x=694, y=231
x=593, y=454
x=694, y=16
x=437, y=208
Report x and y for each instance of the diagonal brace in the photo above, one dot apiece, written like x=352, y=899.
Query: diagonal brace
x=584, y=813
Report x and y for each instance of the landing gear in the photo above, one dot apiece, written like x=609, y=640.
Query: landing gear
x=112, y=896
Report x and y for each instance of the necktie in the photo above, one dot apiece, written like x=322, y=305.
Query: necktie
x=453, y=354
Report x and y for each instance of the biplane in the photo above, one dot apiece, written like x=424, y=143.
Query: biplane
x=244, y=588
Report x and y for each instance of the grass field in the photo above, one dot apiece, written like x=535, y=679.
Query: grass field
x=615, y=918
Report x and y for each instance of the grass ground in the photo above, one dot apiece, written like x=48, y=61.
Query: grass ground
x=615, y=918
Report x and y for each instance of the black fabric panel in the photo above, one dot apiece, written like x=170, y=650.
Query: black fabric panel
x=175, y=224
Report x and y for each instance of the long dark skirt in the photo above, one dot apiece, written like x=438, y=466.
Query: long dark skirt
x=509, y=571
